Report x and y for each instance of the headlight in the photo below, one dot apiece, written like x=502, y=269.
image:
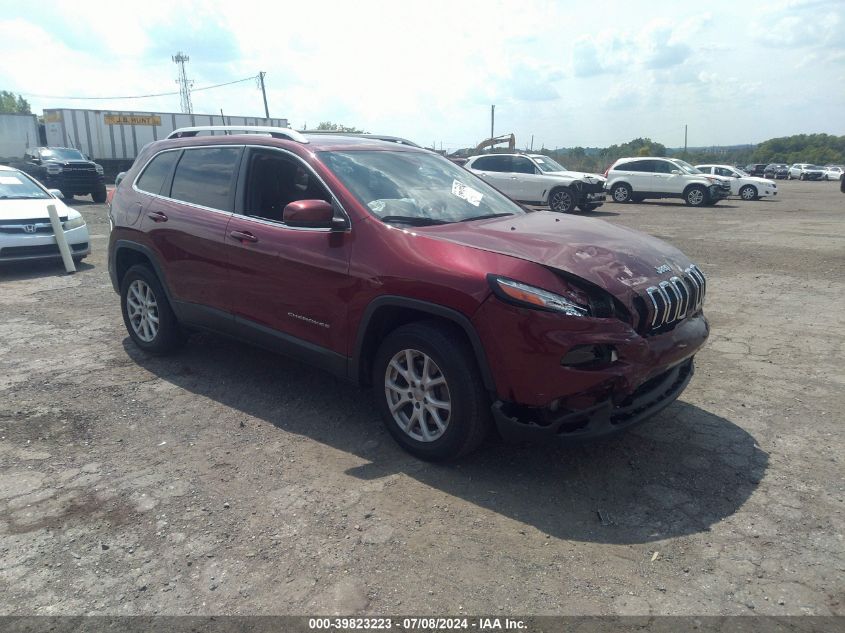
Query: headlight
x=52, y=168
x=74, y=223
x=530, y=297
x=99, y=169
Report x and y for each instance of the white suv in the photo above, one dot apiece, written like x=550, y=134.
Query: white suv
x=538, y=180
x=638, y=178
x=744, y=185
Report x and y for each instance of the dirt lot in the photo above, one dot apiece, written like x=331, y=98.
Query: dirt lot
x=229, y=480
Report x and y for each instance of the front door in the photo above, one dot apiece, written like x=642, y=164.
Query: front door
x=292, y=283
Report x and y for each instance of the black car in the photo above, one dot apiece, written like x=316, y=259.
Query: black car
x=756, y=169
x=66, y=169
x=776, y=171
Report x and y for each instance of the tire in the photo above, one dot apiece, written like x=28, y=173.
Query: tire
x=67, y=196
x=99, y=196
x=622, y=192
x=562, y=200
x=586, y=208
x=801, y=177
x=696, y=196
x=448, y=358
x=149, y=299
x=748, y=192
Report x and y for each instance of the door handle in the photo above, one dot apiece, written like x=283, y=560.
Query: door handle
x=243, y=236
x=157, y=216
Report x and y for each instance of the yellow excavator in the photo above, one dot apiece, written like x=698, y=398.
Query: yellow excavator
x=510, y=139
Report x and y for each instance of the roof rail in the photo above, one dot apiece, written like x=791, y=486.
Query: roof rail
x=376, y=137
x=275, y=132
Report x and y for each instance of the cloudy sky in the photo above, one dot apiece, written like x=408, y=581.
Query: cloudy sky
x=568, y=73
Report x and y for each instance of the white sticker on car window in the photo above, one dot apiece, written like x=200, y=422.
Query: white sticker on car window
x=10, y=180
x=466, y=193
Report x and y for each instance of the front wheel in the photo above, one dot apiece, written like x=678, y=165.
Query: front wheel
x=562, y=200
x=429, y=391
x=748, y=192
x=147, y=314
x=695, y=196
x=99, y=196
x=621, y=192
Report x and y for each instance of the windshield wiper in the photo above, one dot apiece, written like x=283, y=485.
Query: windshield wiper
x=412, y=220
x=487, y=217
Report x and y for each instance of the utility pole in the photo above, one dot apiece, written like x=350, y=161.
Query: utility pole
x=184, y=83
x=685, y=139
x=492, y=119
x=263, y=93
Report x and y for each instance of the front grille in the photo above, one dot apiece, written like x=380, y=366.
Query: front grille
x=44, y=249
x=588, y=187
x=17, y=227
x=673, y=300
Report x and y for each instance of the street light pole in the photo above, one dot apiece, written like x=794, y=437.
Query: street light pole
x=264, y=93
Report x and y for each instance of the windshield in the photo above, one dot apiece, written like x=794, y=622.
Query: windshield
x=547, y=164
x=61, y=153
x=685, y=166
x=16, y=186
x=416, y=188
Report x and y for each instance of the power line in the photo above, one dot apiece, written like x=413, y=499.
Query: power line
x=160, y=94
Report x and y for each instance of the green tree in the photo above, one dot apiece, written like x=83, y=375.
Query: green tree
x=328, y=126
x=14, y=104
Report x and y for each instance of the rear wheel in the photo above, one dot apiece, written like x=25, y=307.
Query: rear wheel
x=695, y=196
x=562, y=200
x=147, y=314
x=748, y=192
x=429, y=391
x=621, y=192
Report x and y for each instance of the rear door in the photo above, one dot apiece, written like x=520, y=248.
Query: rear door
x=639, y=174
x=498, y=171
x=288, y=285
x=186, y=226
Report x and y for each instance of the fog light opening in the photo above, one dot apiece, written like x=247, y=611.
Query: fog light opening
x=584, y=356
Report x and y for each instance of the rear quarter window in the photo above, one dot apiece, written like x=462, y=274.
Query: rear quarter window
x=157, y=172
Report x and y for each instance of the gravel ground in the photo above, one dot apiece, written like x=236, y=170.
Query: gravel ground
x=227, y=480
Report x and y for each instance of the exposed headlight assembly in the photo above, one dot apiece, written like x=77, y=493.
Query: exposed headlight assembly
x=99, y=169
x=74, y=223
x=527, y=296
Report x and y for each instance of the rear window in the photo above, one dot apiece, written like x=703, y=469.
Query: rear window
x=636, y=165
x=206, y=176
x=157, y=171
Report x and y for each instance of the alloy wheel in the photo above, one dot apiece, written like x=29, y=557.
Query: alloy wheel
x=417, y=395
x=142, y=308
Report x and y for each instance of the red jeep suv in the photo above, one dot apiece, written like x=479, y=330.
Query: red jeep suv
x=390, y=266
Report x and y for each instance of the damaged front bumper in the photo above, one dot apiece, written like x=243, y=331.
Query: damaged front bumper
x=517, y=423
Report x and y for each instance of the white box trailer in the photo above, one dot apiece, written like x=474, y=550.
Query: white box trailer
x=17, y=133
x=106, y=135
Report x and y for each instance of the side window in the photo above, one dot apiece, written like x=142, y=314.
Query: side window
x=482, y=163
x=637, y=165
x=522, y=165
x=662, y=166
x=721, y=171
x=157, y=172
x=497, y=163
x=274, y=180
x=206, y=176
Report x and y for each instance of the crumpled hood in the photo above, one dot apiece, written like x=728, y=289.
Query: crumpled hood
x=591, y=178
x=615, y=258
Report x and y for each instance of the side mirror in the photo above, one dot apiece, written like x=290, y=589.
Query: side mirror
x=56, y=193
x=312, y=214
x=676, y=171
